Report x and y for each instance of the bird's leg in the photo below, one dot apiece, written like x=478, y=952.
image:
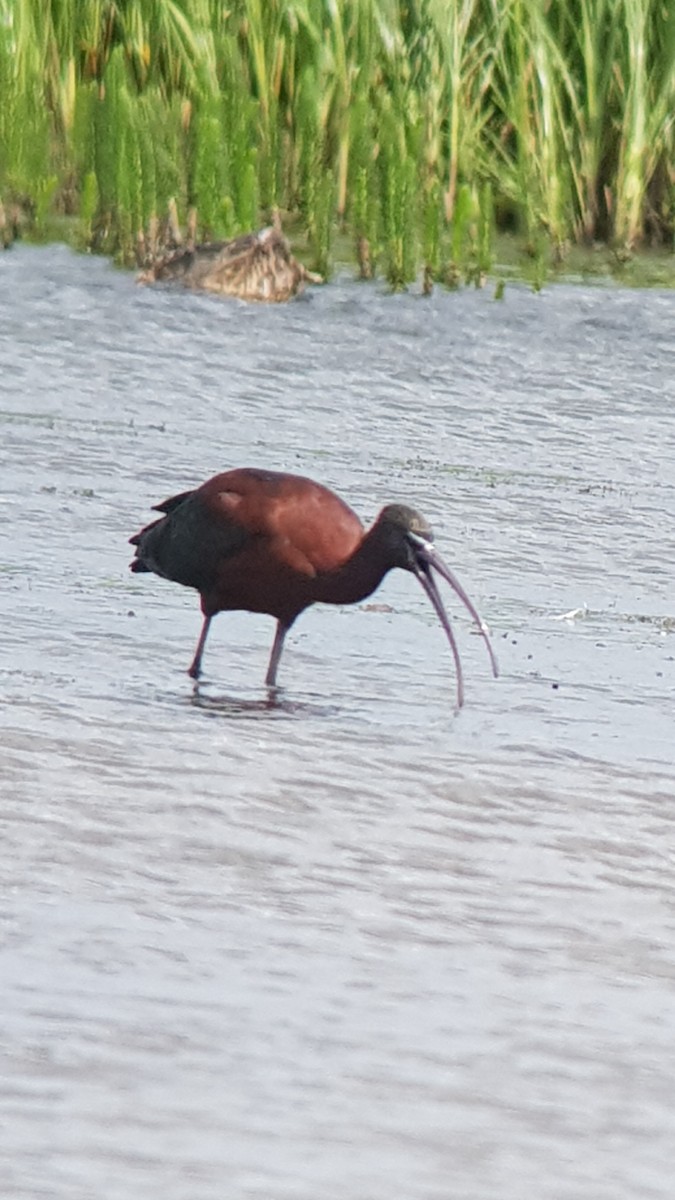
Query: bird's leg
x=195, y=668
x=271, y=677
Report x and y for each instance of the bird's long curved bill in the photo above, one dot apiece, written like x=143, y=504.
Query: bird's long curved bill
x=428, y=558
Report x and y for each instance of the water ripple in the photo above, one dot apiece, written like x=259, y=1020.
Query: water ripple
x=341, y=941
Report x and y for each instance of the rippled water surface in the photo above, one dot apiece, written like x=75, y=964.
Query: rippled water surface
x=352, y=946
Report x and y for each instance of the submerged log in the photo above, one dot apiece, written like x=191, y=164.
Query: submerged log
x=256, y=266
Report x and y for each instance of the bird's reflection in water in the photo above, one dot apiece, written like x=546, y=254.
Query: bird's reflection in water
x=274, y=704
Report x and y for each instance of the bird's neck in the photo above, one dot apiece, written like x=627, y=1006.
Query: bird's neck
x=358, y=576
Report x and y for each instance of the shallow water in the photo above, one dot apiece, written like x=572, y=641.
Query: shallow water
x=350, y=945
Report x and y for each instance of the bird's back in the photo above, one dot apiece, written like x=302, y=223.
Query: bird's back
x=245, y=525
x=289, y=511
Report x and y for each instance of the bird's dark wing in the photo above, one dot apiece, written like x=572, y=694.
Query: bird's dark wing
x=190, y=543
x=168, y=506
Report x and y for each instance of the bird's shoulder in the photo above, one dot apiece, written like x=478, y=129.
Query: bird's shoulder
x=291, y=510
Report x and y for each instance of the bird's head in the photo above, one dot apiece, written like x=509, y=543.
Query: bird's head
x=404, y=532
x=409, y=544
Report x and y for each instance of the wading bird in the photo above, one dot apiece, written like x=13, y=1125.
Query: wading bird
x=274, y=543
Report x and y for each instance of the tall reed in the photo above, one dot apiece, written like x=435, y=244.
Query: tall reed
x=646, y=85
x=377, y=115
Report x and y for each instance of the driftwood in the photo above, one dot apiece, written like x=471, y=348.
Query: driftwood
x=256, y=266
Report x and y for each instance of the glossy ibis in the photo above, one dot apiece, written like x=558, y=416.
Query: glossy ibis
x=275, y=543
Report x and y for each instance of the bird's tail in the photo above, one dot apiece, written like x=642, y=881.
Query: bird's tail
x=139, y=563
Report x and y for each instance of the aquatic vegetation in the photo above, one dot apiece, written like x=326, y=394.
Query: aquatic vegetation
x=417, y=127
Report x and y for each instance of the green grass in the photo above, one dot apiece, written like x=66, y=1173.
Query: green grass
x=418, y=129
